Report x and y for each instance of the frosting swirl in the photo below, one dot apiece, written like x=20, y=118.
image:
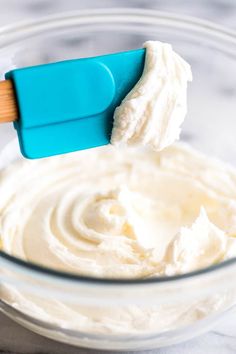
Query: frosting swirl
x=120, y=213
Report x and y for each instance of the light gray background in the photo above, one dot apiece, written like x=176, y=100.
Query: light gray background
x=17, y=340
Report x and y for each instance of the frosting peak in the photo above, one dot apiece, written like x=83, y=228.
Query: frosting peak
x=153, y=111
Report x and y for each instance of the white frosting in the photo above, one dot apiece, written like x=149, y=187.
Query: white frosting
x=124, y=213
x=153, y=111
x=201, y=245
x=119, y=213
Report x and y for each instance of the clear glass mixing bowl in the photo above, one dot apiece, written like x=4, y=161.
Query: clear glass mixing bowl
x=211, y=50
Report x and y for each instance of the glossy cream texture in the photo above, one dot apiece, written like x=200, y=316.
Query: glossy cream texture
x=153, y=111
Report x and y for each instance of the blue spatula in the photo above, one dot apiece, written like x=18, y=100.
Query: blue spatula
x=69, y=105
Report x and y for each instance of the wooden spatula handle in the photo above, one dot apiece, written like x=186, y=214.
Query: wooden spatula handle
x=8, y=106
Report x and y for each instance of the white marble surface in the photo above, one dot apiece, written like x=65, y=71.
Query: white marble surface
x=14, y=338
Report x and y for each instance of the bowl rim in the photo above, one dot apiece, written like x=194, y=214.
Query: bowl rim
x=13, y=33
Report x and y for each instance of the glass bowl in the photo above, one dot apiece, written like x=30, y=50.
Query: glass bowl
x=139, y=310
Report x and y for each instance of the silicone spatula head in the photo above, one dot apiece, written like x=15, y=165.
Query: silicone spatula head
x=68, y=106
